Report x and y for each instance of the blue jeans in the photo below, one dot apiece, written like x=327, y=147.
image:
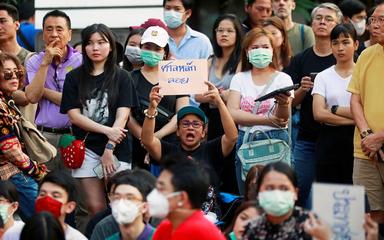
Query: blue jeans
x=305, y=166
x=295, y=120
x=27, y=189
x=275, y=134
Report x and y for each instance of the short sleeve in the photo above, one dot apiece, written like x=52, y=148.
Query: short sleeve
x=31, y=68
x=319, y=85
x=70, y=98
x=235, y=83
x=207, y=50
x=354, y=84
x=127, y=91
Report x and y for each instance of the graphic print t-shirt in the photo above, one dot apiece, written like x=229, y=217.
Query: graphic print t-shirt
x=96, y=108
x=242, y=82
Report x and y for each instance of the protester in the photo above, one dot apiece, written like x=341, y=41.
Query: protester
x=277, y=192
x=191, y=129
x=180, y=191
x=43, y=226
x=129, y=208
x=244, y=214
x=132, y=53
x=9, y=203
x=45, y=78
x=10, y=25
x=184, y=42
x=15, y=165
x=373, y=36
x=300, y=36
x=27, y=31
x=281, y=42
x=227, y=37
x=154, y=48
x=57, y=195
x=365, y=86
x=97, y=97
x=354, y=12
x=312, y=60
x=257, y=11
x=331, y=107
x=258, y=73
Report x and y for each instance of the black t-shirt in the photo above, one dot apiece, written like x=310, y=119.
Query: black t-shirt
x=302, y=65
x=97, y=108
x=209, y=153
x=166, y=108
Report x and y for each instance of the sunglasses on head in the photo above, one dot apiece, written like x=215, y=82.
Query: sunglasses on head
x=8, y=74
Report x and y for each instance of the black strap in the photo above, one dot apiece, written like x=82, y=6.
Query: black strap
x=25, y=41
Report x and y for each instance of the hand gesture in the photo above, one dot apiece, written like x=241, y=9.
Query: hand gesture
x=107, y=163
x=306, y=84
x=155, y=97
x=116, y=134
x=212, y=94
x=371, y=228
x=370, y=145
x=52, y=51
x=278, y=122
x=283, y=98
x=317, y=228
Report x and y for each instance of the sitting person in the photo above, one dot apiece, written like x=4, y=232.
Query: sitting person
x=9, y=204
x=43, y=226
x=180, y=192
x=57, y=195
x=128, y=199
x=277, y=192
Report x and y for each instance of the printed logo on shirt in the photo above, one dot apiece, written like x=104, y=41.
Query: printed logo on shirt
x=247, y=104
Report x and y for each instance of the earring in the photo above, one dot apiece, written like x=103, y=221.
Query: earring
x=179, y=204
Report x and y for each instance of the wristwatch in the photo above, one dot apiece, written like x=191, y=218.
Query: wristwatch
x=334, y=109
x=110, y=146
x=365, y=133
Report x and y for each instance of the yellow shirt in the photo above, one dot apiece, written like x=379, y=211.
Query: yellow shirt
x=368, y=82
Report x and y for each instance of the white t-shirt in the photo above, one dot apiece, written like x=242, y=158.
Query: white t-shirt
x=332, y=87
x=242, y=82
x=73, y=234
x=13, y=233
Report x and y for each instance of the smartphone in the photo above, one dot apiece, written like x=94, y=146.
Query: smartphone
x=313, y=76
x=98, y=170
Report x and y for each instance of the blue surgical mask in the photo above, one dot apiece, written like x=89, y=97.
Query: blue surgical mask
x=276, y=202
x=173, y=19
x=260, y=57
x=151, y=58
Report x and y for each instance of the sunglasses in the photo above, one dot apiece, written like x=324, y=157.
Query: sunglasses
x=8, y=74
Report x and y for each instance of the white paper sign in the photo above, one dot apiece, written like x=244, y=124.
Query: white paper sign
x=179, y=77
x=342, y=207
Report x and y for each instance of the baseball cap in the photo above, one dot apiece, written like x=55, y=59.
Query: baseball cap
x=191, y=110
x=156, y=35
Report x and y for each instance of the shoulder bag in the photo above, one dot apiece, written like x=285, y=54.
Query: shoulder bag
x=37, y=146
x=261, y=152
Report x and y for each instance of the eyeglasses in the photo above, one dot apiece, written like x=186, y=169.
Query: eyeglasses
x=8, y=74
x=224, y=30
x=194, y=123
x=130, y=197
x=379, y=20
x=327, y=19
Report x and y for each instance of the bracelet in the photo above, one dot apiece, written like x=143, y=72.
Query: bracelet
x=146, y=114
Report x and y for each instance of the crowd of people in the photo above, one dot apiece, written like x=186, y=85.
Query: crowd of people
x=168, y=166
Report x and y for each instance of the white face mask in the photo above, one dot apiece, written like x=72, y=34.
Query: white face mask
x=133, y=54
x=359, y=27
x=124, y=211
x=158, y=203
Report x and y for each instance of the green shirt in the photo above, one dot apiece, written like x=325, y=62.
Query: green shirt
x=300, y=37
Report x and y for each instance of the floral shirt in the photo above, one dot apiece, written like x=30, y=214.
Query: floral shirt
x=292, y=228
x=12, y=158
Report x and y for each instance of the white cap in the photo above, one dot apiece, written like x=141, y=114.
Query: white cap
x=156, y=35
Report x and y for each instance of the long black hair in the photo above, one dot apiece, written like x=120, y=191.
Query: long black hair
x=111, y=70
x=127, y=65
x=234, y=58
